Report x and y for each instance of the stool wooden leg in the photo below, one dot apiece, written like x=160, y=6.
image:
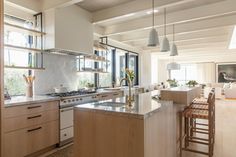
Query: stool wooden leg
x=187, y=132
x=180, y=133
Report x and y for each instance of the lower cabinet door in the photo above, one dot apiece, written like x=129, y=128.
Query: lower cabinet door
x=27, y=141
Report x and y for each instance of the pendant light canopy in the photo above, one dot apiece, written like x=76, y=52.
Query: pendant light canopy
x=165, y=45
x=174, y=49
x=153, y=35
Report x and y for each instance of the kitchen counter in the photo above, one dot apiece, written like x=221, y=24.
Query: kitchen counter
x=146, y=130
x=23, y=100
x=181, y=95
x=143, y=105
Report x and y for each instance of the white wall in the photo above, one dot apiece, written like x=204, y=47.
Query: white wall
x=60, y=69
x=145, y=69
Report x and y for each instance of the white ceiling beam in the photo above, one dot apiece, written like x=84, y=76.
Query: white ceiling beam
x=221, y=31
x=49, y=4
x=194, y=27
x=132, y=7
x=189, y=15
x=186, y=41
x=192, y=47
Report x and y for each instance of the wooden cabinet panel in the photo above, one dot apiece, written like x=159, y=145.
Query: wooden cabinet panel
x=26, y=141
x=30, y=109
x=15, y=123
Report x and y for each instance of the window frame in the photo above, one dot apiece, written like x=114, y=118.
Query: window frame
x=113, y=64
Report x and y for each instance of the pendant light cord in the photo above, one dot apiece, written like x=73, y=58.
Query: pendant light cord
x=153, y=14
x=173, y=33
x=165, y=21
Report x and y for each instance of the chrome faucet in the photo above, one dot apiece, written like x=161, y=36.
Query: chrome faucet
x=130, y=99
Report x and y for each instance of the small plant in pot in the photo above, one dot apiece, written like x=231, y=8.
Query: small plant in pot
x=173, y=83
x=192, y=83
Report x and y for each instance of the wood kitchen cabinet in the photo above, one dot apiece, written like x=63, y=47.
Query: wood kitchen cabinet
x=30, y=128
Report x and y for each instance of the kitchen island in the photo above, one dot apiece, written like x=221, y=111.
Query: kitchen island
x=109, y=129
x=181, y=95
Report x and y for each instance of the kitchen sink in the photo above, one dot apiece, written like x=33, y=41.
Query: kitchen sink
x=112, y=104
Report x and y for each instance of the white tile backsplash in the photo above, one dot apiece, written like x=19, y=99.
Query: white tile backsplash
x=60, y=69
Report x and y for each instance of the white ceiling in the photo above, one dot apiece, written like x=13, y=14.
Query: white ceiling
x=96, y=5
x=203, y=27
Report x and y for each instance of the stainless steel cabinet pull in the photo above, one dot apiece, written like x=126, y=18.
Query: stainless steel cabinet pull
x=32, y=107
x=38, y=128
x=116, y=94
x=104, y=96
x=34, y=117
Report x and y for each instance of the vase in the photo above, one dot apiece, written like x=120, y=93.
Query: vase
x=29, y=90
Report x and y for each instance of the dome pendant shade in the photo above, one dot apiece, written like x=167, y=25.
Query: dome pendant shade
x=174, y=50
x=165, y=45
x=173, y=66
x=153, y=38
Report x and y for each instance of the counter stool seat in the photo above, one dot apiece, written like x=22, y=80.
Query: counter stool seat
x=196, y=113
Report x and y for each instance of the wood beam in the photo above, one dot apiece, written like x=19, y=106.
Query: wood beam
x=132, y=7
x=189, y=15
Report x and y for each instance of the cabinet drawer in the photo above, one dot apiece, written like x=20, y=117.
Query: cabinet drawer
x=67, y=133
x=15, y=123
x=117, y=95
x=30, y=140
x=30, y=109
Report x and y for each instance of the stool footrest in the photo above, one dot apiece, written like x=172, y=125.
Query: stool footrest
x=197, y=138
x=202, y=124
x=201, y=132
x=195, y=151
x=193, y=141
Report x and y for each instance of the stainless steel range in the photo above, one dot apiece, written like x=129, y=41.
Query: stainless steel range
x=67, y=102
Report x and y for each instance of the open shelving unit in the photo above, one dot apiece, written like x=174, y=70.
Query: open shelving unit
x=21, y=67
x=21, y=29
x=81, y=60
x=34, y=46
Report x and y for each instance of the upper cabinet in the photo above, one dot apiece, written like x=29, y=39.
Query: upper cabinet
x=68, y=29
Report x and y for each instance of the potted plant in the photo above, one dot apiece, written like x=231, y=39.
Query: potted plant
x=173, y=83
x=192, y=83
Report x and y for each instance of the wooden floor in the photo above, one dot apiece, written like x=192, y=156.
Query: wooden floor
x=225, y=145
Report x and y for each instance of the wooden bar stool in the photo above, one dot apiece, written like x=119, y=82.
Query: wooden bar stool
x=194, y=113
x=203, y=105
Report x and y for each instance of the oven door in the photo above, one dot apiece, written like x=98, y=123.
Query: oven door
x=66, y=117
x=66, y=125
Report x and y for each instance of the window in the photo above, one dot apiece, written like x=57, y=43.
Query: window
x=186, y=73
x=120, y=57
x=133, y=65
x=13, y=78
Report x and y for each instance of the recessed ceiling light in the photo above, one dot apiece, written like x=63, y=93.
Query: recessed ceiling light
x=150, y=12
x=233, y=40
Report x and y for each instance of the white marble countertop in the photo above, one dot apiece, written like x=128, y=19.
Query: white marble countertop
x=23, y=100
x=143, y=106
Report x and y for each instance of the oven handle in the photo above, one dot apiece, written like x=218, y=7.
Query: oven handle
x=66, y=109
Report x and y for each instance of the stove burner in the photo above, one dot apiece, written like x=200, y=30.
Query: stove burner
x=72, y=93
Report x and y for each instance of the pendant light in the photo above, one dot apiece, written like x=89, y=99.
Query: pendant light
x=174, y=49
x=173, y=66
x=165, y=45
x=153, y=35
